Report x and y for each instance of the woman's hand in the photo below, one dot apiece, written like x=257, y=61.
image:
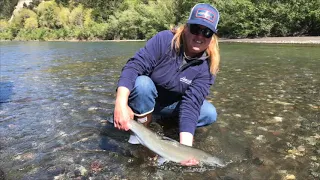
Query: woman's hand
x=122, y=112
x=122, y=115
x=190, y=162
x=186, y=138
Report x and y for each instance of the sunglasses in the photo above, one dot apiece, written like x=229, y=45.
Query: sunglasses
x=195, y=29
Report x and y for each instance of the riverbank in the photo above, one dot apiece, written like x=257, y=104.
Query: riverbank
x=277, y=40
x=269, y=40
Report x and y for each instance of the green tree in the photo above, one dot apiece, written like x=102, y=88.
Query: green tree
x=87, y=20
x=102, y=9
x=6, y=8
x=76, y=17
x=124, y=25
x=100, y=30
x=48, y=12
x=314, y=22
x=20, y=18
x=31, y=23
x=63, y=17
x=141, y=19
x=302, y=16
x=156, y=16
x=4, y=25
x=5, y=32
x=237, y=18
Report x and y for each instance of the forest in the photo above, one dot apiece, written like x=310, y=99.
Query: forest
x=141, y=19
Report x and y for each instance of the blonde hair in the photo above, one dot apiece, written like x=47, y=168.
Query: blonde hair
x=212, y=50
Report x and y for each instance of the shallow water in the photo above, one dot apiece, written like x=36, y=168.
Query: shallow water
x=56, y=98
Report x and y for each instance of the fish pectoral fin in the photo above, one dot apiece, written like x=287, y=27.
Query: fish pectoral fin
x=161, y=160
x=139, y=139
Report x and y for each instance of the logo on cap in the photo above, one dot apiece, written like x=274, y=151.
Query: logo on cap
x=205, y=14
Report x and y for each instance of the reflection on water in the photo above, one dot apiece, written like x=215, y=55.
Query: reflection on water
x=56, y=98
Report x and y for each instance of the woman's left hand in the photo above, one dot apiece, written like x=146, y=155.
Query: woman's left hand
x=190, y=162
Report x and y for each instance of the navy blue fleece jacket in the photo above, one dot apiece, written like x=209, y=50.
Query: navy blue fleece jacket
x=175, y=81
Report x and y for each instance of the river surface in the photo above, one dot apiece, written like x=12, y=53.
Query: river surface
x=56, y=98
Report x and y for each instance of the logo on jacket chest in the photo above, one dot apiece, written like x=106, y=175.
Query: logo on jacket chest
x=185, y=80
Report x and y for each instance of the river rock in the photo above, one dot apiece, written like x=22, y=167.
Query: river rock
x=290, y=177
x=261, y=138
x=262, y=128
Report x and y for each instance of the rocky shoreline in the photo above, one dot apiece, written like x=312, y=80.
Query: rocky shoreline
x=277, y=40
x=269, y=40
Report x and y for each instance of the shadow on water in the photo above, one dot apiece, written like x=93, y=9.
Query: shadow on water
x=111, y=139
x=5, y=92
x=2, y=175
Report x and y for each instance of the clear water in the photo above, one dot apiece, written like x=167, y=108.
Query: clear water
x=56, y=98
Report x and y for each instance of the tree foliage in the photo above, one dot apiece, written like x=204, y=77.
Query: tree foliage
x=31, y=23
x=63, y=17
x=48, y=12
x=141, y=19
x=77, y=16
x=19, y=20
x=4, y=25
x=5, y=32
x=6, y=8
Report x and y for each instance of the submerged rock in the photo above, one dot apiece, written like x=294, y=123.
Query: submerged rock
x=257, y=161
x=314, y=158
x=261, y=138
x=290, y=177
x=274, y=120
x=292, y=153
x=96, y=167
x=312, y=140
x=92, y=108
x=315, y=174
x=262, y=128
x=278, y=119
x=80, y=172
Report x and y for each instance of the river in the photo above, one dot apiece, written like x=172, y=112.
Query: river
x=56, y=98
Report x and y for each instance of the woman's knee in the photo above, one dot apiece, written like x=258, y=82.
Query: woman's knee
x=143, y=85
x=142, y=97
x=208, y=114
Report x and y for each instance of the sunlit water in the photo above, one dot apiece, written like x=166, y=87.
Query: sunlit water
x=56, y=98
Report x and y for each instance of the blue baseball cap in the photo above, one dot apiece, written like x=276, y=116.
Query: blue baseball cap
x=206, y=15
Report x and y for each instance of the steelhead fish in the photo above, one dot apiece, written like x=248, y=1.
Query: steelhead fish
x=171, y=150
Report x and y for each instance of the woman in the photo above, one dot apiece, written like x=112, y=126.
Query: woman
x=172, y=76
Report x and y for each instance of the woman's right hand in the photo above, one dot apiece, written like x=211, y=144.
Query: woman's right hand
x=122, y=115
x=122, y=112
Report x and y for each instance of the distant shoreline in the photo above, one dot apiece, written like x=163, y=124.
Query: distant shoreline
x=264, y=40
x=75, y=40
x=277, y=40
